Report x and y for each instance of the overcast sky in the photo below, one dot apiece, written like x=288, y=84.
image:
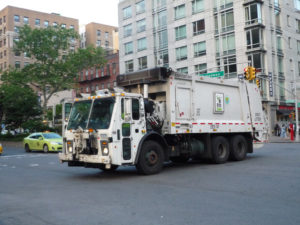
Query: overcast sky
x=99, y=11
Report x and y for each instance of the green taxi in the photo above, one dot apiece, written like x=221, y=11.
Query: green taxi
x=46, y=142
x=1, y=149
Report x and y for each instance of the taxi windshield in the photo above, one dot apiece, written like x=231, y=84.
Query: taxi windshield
x=101, y=113
x=79, y=115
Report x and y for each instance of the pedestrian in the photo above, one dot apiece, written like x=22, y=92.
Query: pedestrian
x=283, y=131
x=277, y=130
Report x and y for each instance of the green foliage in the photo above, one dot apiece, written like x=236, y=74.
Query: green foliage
x=19, y=104
x=36, y=126
x=56, y=61
x=10, y=137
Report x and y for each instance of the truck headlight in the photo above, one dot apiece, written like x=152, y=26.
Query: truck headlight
x=69, y=146
x=105, y=151
x=104, y=148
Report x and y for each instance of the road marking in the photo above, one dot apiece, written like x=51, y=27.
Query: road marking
x=33, y=165
x=22, y=156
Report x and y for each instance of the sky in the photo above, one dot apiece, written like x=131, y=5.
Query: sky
x=98, y=11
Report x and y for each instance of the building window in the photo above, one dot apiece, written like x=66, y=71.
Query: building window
x=227, y=21
x=198, y=27
x=128, y=48
x=54, y=24
x=298, y=26
x=37, y=22
x=180, y=32
x=183, y=70
x=256, y=60
x=141, y=25
x=142, y=44
x=179, y=11
x=254, y=38
x=297, y=4
x=199, y=49
x=106, y=35
x=160, y=19
x=98, y=43
x=128, y=66
x=106, y=44
x=17, y=53
x=16, y=29
x=299, y=68
x=142, y=62
x=16, y=18
x=115, y=83
x=97, y=87
x=197, y=6
x=102, y=86
x=230, y=68
x=98, y=33
x=72, y=27
x=127, y=12
x=253, y=14
x=228, y=43
x=114, y=68
x=181, y=53
x=87, y=89
x=127, y=30
x=298, y=47
x=63, y=25
x=200, y=69
x=26, y=64
x=108, y=70
x=17, y=64
x=26, y=20
x=279, y=44
x=140, y=7
x=46, y=23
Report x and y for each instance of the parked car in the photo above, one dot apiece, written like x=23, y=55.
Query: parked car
x=1, y=149
x=46, y=142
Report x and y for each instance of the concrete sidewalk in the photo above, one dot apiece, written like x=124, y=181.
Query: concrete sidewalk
x=276, y=139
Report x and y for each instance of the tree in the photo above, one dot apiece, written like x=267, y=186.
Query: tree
x=19, y=104
x=56, y=61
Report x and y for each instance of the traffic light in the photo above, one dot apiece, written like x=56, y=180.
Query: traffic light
x=257, y=82
x=249, y=73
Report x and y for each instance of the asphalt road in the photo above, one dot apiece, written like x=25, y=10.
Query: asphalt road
x=263, y=189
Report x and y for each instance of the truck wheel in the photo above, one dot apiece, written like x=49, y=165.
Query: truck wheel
x=112, y=168
x=180, y=159
x=238, y=147
x=220, y=149
x=45, y=148
x=27, y=149
x=151, y=158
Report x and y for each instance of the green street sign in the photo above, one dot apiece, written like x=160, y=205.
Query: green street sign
x=214, y=74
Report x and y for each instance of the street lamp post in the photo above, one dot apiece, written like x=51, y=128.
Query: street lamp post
x=296, y=104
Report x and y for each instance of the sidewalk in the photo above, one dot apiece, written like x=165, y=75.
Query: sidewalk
x=276, y=139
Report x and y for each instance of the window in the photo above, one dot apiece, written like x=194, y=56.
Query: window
x=142, y=62
x=135, y=109
x=227, y=21
x=97, y=87
x=141, y=25
x=200, y=69
x=223, y=4
x=179, y=11
x=297, y=4
x=254, y=38
x=26, y=64
x=298, y=26
x=108, y=70
x=87, y=89
x=128, y=30
x=17, y=64
x=288, y=20
x=181, y=53
x=230, y=68
x=127, y=12
x=128, y=66
x=98, y=33
x=228, y=43
x=106, y=44
x=256, y=60
x=299, y=68
x=298, y=47
x=114, y=68
x=16, y=29
x=16, y=18
x=98, y=43
x=140, y=7
x=26, y=20
x=200, y=49
x=253, y=14
x=198, y=27
x=180, y=32
x=46, y=23
x=37, y=22
x=17, y=53
x=142, y=44
x=54, y=24
x=279, y=44
x=183, y=70
x=197, y=6
x=63, y=25
x=128, y=48
x=106, y=35
x=72, y=27
x=160, y=19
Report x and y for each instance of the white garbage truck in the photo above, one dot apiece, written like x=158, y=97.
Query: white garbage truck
x=158, y=115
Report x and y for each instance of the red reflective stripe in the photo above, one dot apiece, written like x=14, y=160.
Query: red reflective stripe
x=224, y=123
x=236, y=123
x=202, y=123
x=209, y=123
x=194, y=123
x=242, y=123
x=178, y=123
x=230, y=123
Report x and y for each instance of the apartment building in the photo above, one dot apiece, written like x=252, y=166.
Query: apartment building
x=12, y=18
x=199, y=37
x=105, y=36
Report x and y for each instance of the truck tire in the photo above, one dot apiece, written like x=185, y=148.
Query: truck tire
x=238, y=147
x=220, y=149
x=180, y=159
x=112, y=168
x=151, y=158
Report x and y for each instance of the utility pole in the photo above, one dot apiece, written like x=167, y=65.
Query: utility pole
x=296, y=104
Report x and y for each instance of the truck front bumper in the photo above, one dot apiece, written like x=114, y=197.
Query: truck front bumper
x=97, y=159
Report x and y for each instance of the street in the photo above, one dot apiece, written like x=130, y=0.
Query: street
x=264, y=189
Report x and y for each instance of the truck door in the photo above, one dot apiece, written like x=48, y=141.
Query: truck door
x=133, y=124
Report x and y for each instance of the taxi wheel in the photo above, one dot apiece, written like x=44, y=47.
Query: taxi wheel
x=27, y=149
x=45, y=148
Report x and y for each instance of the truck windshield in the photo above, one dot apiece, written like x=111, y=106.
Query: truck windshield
x=79, y=115
x=101, y=113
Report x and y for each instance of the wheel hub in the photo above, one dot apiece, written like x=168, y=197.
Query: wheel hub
x=152, y=157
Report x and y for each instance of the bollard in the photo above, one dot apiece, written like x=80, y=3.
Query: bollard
x=292, y=131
